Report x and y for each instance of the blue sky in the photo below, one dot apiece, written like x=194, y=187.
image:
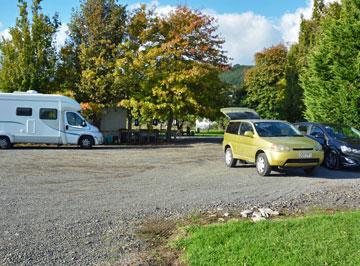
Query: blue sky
x=247, y=26
x=268, y=8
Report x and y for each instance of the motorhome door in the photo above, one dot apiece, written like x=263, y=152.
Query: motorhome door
x=74, y=124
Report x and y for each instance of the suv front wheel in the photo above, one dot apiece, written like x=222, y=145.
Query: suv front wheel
x=229, y=158
x=262, y=165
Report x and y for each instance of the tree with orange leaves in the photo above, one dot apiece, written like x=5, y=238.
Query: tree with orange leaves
x=177, y=66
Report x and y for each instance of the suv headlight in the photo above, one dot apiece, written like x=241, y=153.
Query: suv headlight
x=318, y=147
x=280, y=148
x=346, y=149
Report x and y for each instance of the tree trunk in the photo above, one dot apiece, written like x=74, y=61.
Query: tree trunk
x=169, y=126
x=129, y=125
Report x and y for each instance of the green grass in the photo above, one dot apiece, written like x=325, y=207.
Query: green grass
x=313, y=240
x=210, y=133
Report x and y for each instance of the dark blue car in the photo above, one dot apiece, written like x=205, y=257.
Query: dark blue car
x=341, y=144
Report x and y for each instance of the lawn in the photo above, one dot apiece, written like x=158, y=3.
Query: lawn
x=313, y=240
x=210, y=133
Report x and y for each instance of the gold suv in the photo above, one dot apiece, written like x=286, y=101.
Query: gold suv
x=270, y=144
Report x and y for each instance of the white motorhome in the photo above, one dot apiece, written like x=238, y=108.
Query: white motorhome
x=31, y=117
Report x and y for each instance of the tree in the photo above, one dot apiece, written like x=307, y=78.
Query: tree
x=179, y=63
x=235, y=78
x=28, y=59
x=331, y=82
x=265, y=83
x=298, y=56
x=96, y=31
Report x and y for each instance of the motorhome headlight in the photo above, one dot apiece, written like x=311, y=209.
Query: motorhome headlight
x=280, y=148
x=318, y=147
x=346, y=149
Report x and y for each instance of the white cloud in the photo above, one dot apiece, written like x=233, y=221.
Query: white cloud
x=245, y=34
x=5, y=34
x=61, y=35
x=290, y=22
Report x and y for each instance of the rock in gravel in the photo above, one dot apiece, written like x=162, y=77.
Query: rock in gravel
x=246, y=213
x=221, y=219
x=267, y=212
x=226, y=214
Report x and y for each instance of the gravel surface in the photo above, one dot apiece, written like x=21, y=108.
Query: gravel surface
x=81, y=207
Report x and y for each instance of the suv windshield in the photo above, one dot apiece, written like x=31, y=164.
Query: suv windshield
x=276, y=129
x=342, y=132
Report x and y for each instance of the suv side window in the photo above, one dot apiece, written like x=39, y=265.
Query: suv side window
x=233, y=128
x=316, y=131
x=245, y=127
x=303, y=129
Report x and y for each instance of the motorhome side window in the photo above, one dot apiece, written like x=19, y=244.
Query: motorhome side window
x=233, y=128
x=74, y=119
x=23, y=111
x=48, y=114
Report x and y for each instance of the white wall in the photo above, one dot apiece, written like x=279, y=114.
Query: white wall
x=113, y=119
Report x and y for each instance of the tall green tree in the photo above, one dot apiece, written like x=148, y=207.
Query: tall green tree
x=298, y=56
x=28, y=58
x=265, y=83
x=331, y=82
x=96, y=30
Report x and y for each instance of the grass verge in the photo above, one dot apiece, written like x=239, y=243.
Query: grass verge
x=311, y=240
x=211, y=133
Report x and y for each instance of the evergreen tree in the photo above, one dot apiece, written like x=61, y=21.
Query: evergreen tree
x=298, y=56
x=331, y=82
x=28, y=59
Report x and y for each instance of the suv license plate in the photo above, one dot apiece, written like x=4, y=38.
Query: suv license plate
x=305, y=155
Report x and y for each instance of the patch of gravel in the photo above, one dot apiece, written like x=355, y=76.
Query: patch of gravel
x=76, y=207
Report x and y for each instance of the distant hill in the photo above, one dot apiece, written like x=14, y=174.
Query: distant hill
x=235, y=76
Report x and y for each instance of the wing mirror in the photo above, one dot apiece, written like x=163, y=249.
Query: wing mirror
x=319, y=136
x=83, y=123
x=249, y=134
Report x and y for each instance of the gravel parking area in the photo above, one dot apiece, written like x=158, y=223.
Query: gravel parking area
x=81, y=207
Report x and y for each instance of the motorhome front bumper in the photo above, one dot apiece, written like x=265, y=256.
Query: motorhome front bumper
x=99, y=139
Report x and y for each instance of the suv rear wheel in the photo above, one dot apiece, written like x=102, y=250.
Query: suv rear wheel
x=5, y=143
x=262, y=165
x=229, y=158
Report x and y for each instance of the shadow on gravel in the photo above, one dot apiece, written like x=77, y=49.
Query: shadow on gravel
x=182, y=142
x=322, y=172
